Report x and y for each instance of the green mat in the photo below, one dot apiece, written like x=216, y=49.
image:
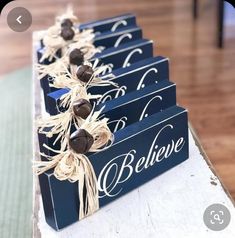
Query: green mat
x=16, y=154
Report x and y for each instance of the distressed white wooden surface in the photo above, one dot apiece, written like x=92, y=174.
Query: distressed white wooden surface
x=169, y=206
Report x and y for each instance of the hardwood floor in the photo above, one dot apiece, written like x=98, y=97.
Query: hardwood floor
x=205, y=75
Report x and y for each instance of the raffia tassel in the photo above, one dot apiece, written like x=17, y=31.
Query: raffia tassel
x=71, y=166
x=67, y=100
x=61, y=65
x=75, y=167
x=69, y=14
x=61, y=123
x=70, y=80
x=78, y=88
x=55, y=69
x=53, y=41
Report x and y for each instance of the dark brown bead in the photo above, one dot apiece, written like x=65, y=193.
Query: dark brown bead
x=66, y=23
x=84, y=73
x=76, y=57
x=67, y=33
x=82, y=108
x=81, y=141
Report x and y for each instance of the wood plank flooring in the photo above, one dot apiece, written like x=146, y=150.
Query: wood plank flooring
x=205, y=75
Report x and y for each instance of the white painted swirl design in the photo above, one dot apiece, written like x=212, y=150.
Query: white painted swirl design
x=141, y=82
x=120, y=38
x=144, y=114
x=119, y=124
x=118, y=92
x=117, y=24
x=126, y=62
x=121, y=168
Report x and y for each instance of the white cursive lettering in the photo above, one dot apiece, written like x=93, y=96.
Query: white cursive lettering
x=120, y=169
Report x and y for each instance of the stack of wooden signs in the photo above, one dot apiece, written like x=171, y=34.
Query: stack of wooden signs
x=112, y=122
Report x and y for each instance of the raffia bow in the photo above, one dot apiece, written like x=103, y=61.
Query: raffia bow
x=62, y=64
x=53, y=41
x=71, y=166
x=61, y=123
x=69, y=14
x=67, y=79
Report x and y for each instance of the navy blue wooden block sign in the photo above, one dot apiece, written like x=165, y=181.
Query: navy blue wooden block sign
x=126, y=165
x=117, y=57
x=114, y=39
x=109, y=39
x=137, y=76
x=133, y=107
x=126, y=54
x=110, y=24
x=143, y=103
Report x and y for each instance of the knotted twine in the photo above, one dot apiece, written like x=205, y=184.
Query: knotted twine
x=53, y=41
x=74, y=167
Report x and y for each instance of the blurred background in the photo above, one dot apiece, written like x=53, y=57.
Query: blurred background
x=203, y=71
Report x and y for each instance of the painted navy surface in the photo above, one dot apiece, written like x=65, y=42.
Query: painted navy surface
x=143, y=103
x=110, y=24
x=124, y=166
x=136, y=77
